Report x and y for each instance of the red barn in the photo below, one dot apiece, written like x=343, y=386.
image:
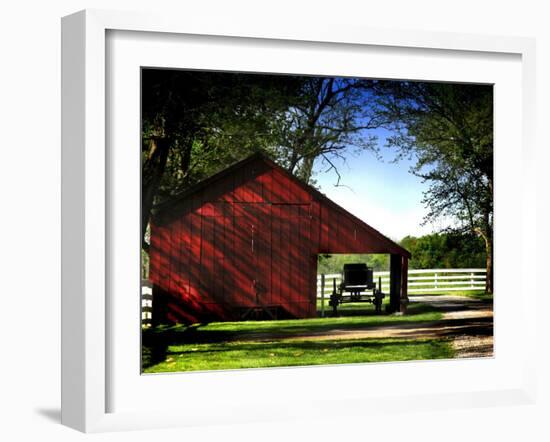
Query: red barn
x=248, y=238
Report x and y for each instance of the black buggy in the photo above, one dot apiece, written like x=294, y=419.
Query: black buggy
x=357, y=279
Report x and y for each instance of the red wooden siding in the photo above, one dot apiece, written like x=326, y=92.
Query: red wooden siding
x=249, y=238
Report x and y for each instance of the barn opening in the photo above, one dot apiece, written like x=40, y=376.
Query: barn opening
x=245, y=243
x=370, y=273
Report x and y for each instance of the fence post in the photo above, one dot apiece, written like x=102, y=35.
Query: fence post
x=322, y=295
x=435, y=280
x=472, y=280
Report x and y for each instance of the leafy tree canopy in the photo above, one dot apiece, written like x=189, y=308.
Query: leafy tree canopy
x=448, y=128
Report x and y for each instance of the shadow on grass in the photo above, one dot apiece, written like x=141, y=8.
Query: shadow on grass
x=351, y=310
x=155, y=342
x=297, y=346
x=234, y=355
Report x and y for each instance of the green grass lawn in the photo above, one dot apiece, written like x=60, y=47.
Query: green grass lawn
x=254, y=344
x=477, y=294
x=234, y=355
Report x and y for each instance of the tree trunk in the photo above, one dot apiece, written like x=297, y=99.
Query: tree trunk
x=153, y=170
x=185, y=146
x=488, y=238
x=306, y=170
x=293, y=161
x=489, y=281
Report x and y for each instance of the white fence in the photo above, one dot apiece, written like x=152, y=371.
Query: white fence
x=146, y=302
x=421, y=281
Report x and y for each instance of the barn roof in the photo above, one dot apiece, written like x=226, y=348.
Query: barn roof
x=166, y=205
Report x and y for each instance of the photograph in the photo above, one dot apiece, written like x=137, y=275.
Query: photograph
x=300, y=220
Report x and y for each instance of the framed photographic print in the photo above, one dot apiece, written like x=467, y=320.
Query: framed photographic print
x=261, y=222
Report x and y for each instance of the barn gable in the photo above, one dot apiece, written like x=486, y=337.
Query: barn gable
x=253, y=180
x=250, y=236
x=258, y=179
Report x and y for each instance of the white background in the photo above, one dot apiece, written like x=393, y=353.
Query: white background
x=30, y=182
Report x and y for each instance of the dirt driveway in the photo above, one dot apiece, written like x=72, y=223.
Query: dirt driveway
x=466, y=321
x=469, y=323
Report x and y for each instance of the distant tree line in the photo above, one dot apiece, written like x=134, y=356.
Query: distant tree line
x=445, y=251
x=434, y=251
x=329, y=264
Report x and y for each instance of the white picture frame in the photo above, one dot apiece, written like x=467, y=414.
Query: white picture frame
x=87, y=355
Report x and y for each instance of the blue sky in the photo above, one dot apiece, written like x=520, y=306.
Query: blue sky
x=382, y=193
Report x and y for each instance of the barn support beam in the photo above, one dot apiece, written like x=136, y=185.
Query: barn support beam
x=399, y=299
x=404, y=296
x=395, y=283
x=158, y=307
